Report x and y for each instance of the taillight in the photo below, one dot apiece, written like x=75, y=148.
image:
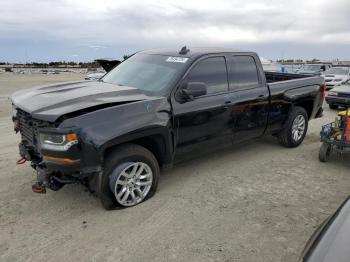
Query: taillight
x=332, y=93
x=324, y=89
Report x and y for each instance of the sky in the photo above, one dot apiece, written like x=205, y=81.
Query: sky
x=84, y=30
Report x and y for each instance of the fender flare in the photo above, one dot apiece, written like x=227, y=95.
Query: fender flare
x=163, y=136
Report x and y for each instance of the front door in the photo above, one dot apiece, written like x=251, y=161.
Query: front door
x=203, y=123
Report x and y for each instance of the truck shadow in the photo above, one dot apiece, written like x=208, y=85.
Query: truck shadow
x=209, y=159
x=192, y=166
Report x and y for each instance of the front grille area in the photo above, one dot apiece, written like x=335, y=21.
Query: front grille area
x=28, y=127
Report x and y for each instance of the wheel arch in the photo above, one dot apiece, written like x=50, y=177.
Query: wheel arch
x=308, y=105
x=157, y=140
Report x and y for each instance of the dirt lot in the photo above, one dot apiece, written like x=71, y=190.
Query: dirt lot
x=257, y=202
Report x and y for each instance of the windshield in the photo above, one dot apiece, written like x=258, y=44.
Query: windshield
x=338, y=71
x=310, y=68
x=152, y=73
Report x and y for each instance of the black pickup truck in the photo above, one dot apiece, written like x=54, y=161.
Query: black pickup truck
x=115, y=134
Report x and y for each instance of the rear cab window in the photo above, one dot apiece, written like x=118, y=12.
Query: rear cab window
x=243, y=73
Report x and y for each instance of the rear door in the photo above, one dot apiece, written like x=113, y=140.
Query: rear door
x=248, y=97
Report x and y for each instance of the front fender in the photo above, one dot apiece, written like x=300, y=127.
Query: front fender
x=160, y=137
x=123, y=123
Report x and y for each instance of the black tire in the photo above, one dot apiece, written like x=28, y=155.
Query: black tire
x=124, y=154
x=285, y=137
x=325, y=152
x=333, y=106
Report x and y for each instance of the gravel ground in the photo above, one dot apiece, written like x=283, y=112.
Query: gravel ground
x=255, y=202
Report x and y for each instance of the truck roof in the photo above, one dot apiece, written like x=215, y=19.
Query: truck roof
x=192, y=52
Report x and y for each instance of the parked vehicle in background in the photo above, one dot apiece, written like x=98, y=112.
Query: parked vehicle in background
x=330, y=242
x=339, y=96
x=106, y=64
x=270, y=66
x=292, y=68
x=313, y=69
x=336, y=76
x=115, y=134
x=95, y=76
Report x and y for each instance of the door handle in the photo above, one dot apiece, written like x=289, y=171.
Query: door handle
x=261, y=97
x=227, y=104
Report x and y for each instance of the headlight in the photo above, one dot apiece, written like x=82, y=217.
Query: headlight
x=15, y=119
x=338, y=80
x=332, y=93
x=58, y=142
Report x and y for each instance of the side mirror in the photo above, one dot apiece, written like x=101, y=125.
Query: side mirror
x=190, y=90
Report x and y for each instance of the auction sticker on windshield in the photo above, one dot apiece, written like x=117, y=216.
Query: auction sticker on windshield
x=174, y=59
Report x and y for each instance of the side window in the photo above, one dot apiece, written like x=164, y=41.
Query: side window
x=211, y=71
x=244, y=73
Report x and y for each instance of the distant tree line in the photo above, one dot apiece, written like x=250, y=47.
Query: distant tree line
x=315, y=60
x=55, y=64
x=59, y=64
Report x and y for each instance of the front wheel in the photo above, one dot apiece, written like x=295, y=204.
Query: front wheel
x=130, y=177
x=333, y=106
x=295, y=128
x=325, y=152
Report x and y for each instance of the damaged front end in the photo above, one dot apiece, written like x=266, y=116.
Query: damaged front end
x=46, y=180
x=58, y=156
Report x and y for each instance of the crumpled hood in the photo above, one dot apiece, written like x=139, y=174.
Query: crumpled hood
x=50, y=102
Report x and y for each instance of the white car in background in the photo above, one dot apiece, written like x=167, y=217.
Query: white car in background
x=313, y=69
x=270, y=66
x=336, y=76
x=95, y=76
x=106, y=64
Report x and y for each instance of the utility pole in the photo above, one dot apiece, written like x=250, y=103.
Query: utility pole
x=26, y=56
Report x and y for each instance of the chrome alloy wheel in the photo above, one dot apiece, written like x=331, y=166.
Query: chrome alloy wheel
x=298, y=127
x=131, y=182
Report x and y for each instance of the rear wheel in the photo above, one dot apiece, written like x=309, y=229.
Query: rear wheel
x=295, y=128
x=325, y=152
x=130, y=177
x=333, y=106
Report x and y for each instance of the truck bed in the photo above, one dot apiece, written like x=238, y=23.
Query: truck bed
x=285, y=81
x=272, y=77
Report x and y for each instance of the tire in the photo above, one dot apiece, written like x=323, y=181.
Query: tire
x=121, y=162
x=286, y=136
x=325, y=152
x=333, y=106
